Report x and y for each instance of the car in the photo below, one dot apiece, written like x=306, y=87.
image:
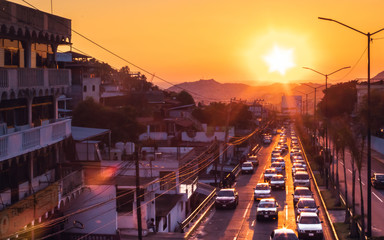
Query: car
x=298, y=169
x=247, y=167
x=301, y=161
x=279, y=166
x=283, y=234
x=377, y=180
x=275, y=158
x=253, y=159
x=309, y=226
x=301, y=192
x=301, y=179
x=295, y=166
x=262, y=190
x=227, y=198
x=277, y=181
x=306, y=205
x=267, y=209
x=268, y=173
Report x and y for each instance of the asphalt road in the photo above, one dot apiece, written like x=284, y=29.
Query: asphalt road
x=240, y=223
x=377, y=195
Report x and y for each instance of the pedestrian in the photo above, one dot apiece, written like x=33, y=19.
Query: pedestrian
x=151, y=225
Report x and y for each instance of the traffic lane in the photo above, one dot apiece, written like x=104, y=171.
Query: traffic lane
x=377, y=198
x=226, y=224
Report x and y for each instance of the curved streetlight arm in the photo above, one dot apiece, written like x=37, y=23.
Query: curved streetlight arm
x=315, y=71
x=338, y=70
x=312, y=86
x=332, y=20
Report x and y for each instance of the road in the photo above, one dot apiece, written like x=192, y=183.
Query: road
x=377, y=195
x=241, y=223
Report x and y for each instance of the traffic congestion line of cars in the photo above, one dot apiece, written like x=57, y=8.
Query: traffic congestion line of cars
x=274, y=177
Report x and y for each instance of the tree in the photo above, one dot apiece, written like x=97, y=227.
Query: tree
x=185, y=98
x=121, y=122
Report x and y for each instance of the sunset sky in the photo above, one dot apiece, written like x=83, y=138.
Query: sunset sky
x=229, y=41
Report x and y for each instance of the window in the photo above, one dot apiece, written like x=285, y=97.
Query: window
x=124, y=200
x=11, y=57
x=85, y=88
x=93, y=88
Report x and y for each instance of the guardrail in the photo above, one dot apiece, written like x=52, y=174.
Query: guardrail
x=319, y=193
x=206, y=205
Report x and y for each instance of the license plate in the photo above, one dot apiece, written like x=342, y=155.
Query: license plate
x=311, y=234
x=266, y=216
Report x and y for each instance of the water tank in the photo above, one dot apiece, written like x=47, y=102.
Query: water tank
x=129, y=148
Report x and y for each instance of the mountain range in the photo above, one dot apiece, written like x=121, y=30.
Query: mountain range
x=211, y=91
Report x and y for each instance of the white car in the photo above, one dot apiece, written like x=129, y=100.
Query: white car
x=309, y=226
x=301, y=192
x=262, y=190
x=247, y=167
x=267, y=209
x=278, y=181
x=268, y=173
x=306, y=205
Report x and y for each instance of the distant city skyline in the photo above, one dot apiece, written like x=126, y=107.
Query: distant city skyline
x=184, y=41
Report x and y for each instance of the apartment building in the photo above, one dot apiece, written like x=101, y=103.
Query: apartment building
x=33, y=139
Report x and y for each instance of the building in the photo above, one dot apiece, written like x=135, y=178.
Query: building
x=291, y=105
x=33, y=139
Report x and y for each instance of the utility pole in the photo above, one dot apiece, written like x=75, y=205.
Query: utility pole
x=224, y=158
x=138, y=207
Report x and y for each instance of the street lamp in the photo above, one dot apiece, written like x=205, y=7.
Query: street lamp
x=326, y=113
x=369, y=194
x=314, y=111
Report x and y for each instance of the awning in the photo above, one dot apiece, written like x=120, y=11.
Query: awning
x=83, y=133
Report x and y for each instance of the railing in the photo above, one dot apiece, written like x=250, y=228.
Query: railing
x=205, y=206
x=71, y=182
x=18, y=143
x=329, y=220
x=34, y=77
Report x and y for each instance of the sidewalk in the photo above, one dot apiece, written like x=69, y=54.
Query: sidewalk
x=377, y=156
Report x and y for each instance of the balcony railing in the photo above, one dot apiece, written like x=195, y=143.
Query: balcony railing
x=25, y=141
x=34, y=78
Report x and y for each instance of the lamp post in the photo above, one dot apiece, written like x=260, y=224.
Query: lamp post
x=369, y=194
x=306, y=100
x=326, y=117
x=314, y=111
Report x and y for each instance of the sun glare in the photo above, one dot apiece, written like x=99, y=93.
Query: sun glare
x=279, y=60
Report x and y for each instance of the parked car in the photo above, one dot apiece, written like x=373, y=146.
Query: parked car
x=377, y=180
x=278, y=181
x=247, y=167
x=268, y=173
x=267, y=209
x=283, y=234
x=301, y=179
x=301, y=192
x=227, y=198
x=306, y=205
x=309, y=226
x=262, y=190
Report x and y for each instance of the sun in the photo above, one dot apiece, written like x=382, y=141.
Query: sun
x=279, y=60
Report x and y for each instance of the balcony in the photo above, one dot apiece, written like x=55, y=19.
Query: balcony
x=28, y=140
x=38, y=78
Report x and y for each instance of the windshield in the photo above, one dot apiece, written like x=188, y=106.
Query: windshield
x=262, y=187
x=309, y=220
x=303, y=192
x=285, y=236
x=306, y=204
x=226, y=194
x=267, y=205
x=247, y=164
x=277, y=178
x=302, y=176
x=380, y=177
x=270, y=171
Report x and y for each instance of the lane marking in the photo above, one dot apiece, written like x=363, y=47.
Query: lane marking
x=253, y=223
x=349, y=170
x=341, y=162
x=246, y=210
x=377, y=197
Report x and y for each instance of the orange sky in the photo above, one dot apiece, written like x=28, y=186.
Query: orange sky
x=183, y=40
